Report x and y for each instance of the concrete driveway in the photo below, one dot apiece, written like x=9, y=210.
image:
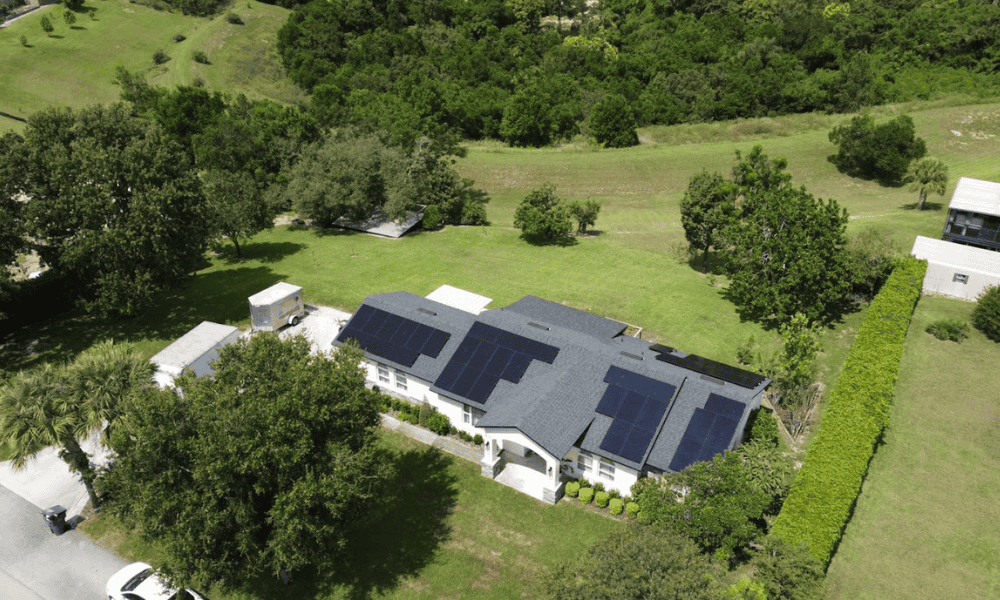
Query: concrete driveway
x=320, y=326
x=34, y=563
x=37, y=565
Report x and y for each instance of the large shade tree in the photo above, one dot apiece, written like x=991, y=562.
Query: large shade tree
x=263, y=467
x=114, y=204
x=784, y=247
x=61, y=406
x=705, y=212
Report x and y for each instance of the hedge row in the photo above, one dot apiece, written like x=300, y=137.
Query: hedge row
x=820, y=503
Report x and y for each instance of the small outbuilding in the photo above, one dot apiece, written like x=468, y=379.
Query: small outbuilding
x=194, y=350
x=957, y=270
x=277, y=306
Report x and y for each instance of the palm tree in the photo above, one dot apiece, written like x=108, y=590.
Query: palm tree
x=59, y=406
x=927, y=175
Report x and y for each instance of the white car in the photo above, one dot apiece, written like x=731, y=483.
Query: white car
x=138, y=581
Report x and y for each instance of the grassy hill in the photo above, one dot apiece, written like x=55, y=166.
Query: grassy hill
x=75, y=66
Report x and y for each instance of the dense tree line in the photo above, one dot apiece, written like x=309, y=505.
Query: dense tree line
x=489, y=69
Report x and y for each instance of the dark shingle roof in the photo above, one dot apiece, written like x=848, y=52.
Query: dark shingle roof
x=554, y=404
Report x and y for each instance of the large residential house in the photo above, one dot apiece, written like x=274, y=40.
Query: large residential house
x=556, y=392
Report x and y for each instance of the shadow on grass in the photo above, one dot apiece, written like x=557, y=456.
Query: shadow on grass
x=562, y=241
x=52, y=331
x=715, y=264
x=265, y=252
x=928, y=206
x=396, y=543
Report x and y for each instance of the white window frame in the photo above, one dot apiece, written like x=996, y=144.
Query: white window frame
x=584, y=461
x=383, y=373
x=467, y=414
x=401, y=380
x=960, y=278
x=607, y=470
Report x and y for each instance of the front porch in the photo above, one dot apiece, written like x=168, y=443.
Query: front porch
x=517, y=463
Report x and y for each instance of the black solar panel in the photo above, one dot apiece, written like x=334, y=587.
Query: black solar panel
x=446, y=380
x=465, y=350
x=699, y=425
x=718, y=370
x=389, y=336
x=686, y=455
x=482, y=389
x=651, y=413
x=465, y=381
x=435, y=343
x=724, y=407
x=614, y=439
x=516, y=367
x=718, y=438
x=482, y=356
x=499, y=361
x=636, y=444
x=630, y=407
x=611, y=401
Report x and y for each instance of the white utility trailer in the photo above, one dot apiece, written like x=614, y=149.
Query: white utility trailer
x=277, y=306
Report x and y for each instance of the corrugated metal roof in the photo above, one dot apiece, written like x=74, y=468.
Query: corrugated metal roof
x=976, y=195
x=193, y=344
x=955, y=255
x=381, y=224
x=460, y=299
x=274, y=293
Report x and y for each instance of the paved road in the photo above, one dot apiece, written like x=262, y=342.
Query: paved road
x=37, y=565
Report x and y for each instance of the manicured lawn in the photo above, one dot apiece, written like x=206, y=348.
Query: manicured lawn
x=449, y=533
x=925, y=525
x=74, y=67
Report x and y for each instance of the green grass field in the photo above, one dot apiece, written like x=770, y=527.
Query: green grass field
x=74, y=67
x=449, y=533
x=925, y=525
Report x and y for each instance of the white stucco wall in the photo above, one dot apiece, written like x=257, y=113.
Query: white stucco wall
x=940, y=279
x=625, y=477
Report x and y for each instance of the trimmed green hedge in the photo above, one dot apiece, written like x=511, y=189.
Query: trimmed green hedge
x=819, y=505
x=616, y=506
x=586, y=495
x=601, y=499
x=573, y=489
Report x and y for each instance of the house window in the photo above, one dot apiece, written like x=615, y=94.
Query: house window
x=383, y=374
x=959, y=278
x=467, y=414
x=401, y=380
x=584, y=461
x=607, y=470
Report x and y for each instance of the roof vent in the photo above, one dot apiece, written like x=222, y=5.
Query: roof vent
x=536, y=325
x=427, y=312
x=630, y=355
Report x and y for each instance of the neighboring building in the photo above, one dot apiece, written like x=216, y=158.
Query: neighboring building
x=553, y=390
x=974, y=214
x=382, y=225
x=955, y=269
x=193, y=351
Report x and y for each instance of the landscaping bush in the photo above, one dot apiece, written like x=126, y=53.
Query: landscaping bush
x=986, y=315
x=826, y=487
x=478, y=440
x=601, y=499
x=586, y=495
x=598, y=487
x=424, y=413
x=438, y=423
x=573, y=489
x=465, y=436
x=763, y=426
x=453, y=430
x=160, y=57
x=432, y=217
x=954, y=330
x=615, y=506
x=180, y=37
x=408, y=418
x=200, y=57
x=614, y=493
x=632, y=509
x=24, y=41
x=233, y=19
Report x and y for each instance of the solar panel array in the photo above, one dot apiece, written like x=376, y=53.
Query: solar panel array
x=709, y=431
x=708, y=367
x=487, y=355
x=637, y=405
x=393, y=337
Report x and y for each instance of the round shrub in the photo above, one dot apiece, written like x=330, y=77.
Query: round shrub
x=180, y=37
x=572, y=489
x=234, y=19
x=200, y=57
x=160, y=57
x=986, y=315
x=432, y=217
x=631, y=509
x=478, y=440
x=453, y=430
x=438, y=423
x=615, y=506
x=586, y=495
x=601, y=499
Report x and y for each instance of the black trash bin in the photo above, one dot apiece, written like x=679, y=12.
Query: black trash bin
x=55, y=516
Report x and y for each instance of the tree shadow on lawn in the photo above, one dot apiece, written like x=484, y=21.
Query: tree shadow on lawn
x=831, y=317
x=399, y=542
x=265, y=252
x=562, y=241
x=58, y=335
x=928, y=206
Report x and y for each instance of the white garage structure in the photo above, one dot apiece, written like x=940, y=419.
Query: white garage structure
x=194, y=350
x=957, y=270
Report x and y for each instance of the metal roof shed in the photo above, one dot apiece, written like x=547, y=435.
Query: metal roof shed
x=193, y=351
x=977, y=196
x=955, y=269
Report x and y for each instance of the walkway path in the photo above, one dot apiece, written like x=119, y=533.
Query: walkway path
x=449, y=445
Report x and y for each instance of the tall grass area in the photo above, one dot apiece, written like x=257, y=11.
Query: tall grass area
x=449, y=533
x=75, y=66
x=925, y=525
